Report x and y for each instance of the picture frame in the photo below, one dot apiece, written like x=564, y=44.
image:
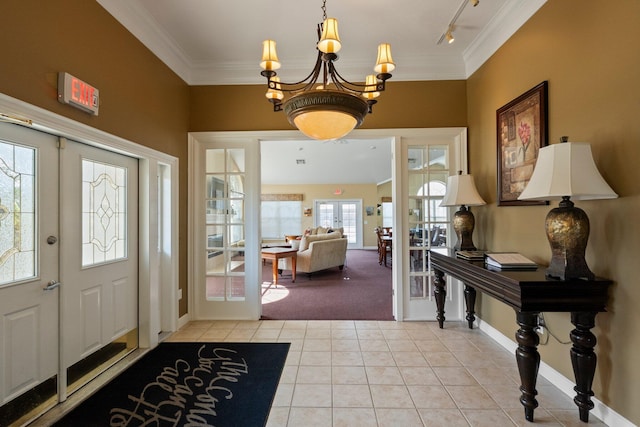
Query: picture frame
x=521, y=130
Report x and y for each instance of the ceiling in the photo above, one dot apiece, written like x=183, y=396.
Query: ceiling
x=215, y=42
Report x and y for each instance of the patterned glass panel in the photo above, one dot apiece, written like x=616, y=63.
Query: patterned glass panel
x=104, y=213
x=18, y=255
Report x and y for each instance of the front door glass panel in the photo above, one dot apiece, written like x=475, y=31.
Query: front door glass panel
x=104, y=213
x=18, y=257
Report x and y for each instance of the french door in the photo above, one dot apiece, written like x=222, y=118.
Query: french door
x=225, y=180
x=426, y=164
x=68, y=262
x=341, y=213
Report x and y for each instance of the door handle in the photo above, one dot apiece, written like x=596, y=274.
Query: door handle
x=52, y=285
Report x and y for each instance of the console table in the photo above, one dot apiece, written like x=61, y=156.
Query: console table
x=529, y=293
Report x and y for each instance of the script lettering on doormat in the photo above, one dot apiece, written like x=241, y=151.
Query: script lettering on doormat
x=185, y=395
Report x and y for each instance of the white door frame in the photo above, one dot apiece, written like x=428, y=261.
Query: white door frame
x=154, y=285
x=397, y=135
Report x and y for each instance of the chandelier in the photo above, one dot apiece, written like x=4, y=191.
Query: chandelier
x=324, y=105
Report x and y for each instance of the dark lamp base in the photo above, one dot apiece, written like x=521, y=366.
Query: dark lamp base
x=463, y=224
x=567, y=229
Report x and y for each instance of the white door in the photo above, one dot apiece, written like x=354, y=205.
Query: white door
x=226, y=217
x=99, y=251
x=341, y=213
x=427, y=167
x=28, y=262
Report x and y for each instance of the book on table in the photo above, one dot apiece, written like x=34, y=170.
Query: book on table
x=509, y=261
x=471, y=255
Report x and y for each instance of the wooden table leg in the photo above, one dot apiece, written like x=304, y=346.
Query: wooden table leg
x=528, y=360
x=294, y=259
x=470, y=302
x=583, y=360
x=275, y=271
x=440, y=295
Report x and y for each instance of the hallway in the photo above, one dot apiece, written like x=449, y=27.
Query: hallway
x=386, y=373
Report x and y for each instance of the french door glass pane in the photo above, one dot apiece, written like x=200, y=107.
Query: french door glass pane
x=325, y=215
x=427, y=180
x=18, y=257
x=225, y=224
x=349, y=221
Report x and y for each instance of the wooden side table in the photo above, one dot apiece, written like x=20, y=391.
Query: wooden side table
x=274, y=254
x=529, y=293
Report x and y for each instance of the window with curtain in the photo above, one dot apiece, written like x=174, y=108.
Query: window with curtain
x=281, y=217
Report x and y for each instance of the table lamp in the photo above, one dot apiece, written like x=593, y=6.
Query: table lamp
x=461, y=191
x=564, y=171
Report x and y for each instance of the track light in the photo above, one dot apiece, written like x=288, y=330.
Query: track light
x=449, y=36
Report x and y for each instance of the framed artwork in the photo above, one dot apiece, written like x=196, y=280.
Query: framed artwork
x=521, y=132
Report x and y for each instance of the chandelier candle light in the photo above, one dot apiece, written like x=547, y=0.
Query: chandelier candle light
x=461, y=191
x=564, y=171
x=324, y=105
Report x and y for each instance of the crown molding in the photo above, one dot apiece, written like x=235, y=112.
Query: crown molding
x=134, y=17
x=139, y=23
x=504, y=24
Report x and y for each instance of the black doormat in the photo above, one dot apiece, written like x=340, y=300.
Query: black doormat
x=189, y=384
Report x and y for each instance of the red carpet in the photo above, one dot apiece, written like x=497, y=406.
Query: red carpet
x=361, y=291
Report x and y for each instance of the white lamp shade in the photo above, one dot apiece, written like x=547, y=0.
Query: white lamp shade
x=384, y=63
x=329, y=39
x=269, y=56
x=461, y=190
x=566, y=169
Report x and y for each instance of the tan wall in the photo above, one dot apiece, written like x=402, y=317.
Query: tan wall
x=402, y=105
x=141, y=99
x=312, y=192
x=589, y=51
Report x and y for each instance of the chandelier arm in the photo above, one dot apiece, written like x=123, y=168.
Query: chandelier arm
x=303, y=84
x=355, y=87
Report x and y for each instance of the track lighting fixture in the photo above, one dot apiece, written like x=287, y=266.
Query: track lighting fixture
x=449, y=36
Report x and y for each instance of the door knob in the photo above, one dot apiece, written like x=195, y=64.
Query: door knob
x=52, y=285
x=52, y=240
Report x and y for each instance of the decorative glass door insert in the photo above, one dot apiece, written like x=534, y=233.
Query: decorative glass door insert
x=18, y=256
x=104, y=213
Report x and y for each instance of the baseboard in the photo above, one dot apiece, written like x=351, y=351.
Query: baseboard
x=183, y=320
x=565, y=385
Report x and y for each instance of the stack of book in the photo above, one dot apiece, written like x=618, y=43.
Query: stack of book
x=471, y=255
x=509, y=261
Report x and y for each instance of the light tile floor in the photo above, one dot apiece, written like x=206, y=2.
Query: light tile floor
x=370, y=373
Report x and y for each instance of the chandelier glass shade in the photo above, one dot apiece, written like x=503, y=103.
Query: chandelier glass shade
x=324, y=105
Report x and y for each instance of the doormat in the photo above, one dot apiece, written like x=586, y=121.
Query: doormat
x=189, y=384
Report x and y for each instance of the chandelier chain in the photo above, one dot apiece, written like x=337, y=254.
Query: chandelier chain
x=324, y=10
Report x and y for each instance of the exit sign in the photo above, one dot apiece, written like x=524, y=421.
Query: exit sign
x=79, y=94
